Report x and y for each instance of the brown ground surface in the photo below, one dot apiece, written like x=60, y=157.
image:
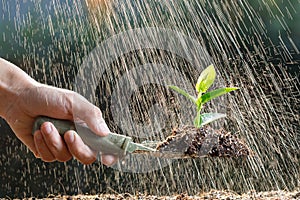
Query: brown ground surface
x=214, y=194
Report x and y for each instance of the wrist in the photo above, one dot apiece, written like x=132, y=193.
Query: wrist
x=12, y=82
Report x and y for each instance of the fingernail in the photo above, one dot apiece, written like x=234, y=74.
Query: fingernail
x=72, y=136
x=48, y=128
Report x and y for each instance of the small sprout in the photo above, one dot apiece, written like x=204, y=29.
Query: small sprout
x=205, y=80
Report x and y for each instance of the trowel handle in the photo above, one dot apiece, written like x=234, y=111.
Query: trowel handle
x=115, y=144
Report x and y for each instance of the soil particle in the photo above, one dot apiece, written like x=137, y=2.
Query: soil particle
x=205, y=141
x=213, y=194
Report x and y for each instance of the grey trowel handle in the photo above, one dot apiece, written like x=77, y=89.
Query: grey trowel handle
x=112, y=144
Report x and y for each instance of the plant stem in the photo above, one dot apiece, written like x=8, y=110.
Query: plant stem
x=199, y=101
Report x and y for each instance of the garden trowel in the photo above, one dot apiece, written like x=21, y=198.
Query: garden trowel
x=115, y=144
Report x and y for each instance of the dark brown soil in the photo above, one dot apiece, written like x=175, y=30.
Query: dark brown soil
x=200, y=142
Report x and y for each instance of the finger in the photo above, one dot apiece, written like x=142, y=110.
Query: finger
x=109, y=160
x=22, y=130
x=55, y=142
x=28, y=140
x=78, y=149
x=42, y=148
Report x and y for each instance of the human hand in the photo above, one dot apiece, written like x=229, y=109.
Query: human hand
x=46, y=143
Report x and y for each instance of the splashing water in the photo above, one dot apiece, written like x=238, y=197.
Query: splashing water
x=122, y=55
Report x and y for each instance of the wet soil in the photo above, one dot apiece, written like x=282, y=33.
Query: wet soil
x=201, y=142
x=213, y=194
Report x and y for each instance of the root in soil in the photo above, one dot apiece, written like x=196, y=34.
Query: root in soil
x=205, y=141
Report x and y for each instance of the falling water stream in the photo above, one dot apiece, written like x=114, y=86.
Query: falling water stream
x=121, y=55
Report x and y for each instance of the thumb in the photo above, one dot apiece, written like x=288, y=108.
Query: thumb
x=96, y=123
x=85, y=111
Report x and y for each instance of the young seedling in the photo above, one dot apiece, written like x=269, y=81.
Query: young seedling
x=205, y=80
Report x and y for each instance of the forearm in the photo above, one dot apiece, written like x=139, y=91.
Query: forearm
x=12, y=81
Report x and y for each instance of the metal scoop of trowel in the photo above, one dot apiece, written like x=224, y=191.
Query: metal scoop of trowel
x=114, y=144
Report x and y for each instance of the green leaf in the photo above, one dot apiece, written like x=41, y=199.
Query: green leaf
x=206, y=79
x=184, y=93
x=210, y=117
x=215, y=93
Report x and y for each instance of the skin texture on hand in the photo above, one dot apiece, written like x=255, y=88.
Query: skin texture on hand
x=30, y=99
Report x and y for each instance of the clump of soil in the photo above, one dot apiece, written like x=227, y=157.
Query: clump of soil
x=201, y=142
